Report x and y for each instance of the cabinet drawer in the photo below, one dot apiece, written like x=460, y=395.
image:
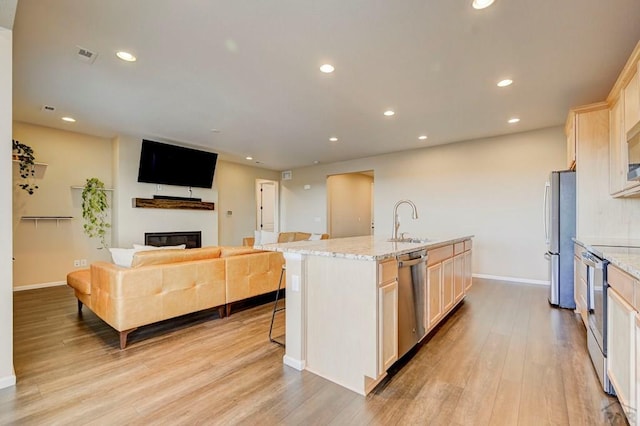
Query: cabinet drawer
x=621, y=282
x=438, y=255
x=467, y=245
x=387, y=271
x=581, y=268
x=458, y=248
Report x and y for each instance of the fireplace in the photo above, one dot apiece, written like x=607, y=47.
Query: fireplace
x=160, y=239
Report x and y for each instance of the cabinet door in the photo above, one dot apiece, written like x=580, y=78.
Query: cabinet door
x=434, y=294
x=580, y=288
x=388, y=326
x=447, y=285
x=467, y=271
x=637, y=361
x=570, y=131
x=621, y=347
x=631, y=103
x=458, y=277
x=617, y=149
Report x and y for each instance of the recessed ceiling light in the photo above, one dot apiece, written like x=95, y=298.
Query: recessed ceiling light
x=333, y=139
x=513, y=120
x=69, y=119
x=389, y=113
x=126, y=56
x=327, y=68
x=504, y=83
x=249, y=158
x=481, y=4
x=423, y=137
x=316, y=162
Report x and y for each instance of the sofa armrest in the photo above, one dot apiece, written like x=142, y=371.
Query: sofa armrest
x=248, y=241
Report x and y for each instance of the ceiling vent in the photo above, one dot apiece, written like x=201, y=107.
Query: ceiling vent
x=47, y=108
x=85, y=55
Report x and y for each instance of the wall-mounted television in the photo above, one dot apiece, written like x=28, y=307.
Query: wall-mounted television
x=166, y=164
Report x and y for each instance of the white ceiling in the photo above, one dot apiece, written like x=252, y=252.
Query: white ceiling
x=250, y=69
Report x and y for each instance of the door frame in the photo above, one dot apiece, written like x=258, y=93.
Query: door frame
x=276, y=203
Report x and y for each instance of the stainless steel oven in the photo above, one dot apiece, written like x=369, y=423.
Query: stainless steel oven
x=597, y=315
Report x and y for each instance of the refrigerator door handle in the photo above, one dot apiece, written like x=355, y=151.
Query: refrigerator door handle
x=545, y=212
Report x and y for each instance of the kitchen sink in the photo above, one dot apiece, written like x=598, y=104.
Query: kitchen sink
x=409, y=240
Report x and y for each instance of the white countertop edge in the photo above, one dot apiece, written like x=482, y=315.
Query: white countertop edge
x=311, y=248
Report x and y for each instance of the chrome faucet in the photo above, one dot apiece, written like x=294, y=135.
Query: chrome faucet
x=396, y=221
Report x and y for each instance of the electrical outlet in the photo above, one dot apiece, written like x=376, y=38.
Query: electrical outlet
x=83, y=262
x=76, y=263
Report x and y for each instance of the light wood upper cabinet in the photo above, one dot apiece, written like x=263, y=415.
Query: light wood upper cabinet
x=570, y=131
x=631, y=102
x=617, y=149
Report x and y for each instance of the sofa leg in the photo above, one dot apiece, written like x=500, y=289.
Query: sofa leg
x=221, y=311
x=79, y=307
x=123, y=337
x=228, y=309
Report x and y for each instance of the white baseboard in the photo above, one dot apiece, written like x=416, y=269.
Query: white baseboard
x=512, y=279
x=294, y=363
x=8, y=381
x=41, y=285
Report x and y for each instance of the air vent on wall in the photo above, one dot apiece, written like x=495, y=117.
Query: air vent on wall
x=85, y=55
x=47, y=108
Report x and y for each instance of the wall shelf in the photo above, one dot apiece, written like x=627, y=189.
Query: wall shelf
x=153, y=203
x=38, y=168
x=35, y=219
x=82, y=187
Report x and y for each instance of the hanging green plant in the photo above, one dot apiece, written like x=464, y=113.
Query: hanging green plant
x=94, y=210
x=26, y=162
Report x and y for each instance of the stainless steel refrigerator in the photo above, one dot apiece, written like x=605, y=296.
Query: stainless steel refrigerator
x=560, y=228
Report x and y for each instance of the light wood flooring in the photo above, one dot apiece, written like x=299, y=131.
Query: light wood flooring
x=503, y=358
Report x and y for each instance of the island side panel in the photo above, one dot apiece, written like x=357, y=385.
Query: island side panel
x=341, y=320
x=295, y=318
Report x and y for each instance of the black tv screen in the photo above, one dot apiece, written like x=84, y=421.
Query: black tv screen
x=176, y=165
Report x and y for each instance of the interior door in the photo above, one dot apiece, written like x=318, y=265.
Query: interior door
x=267, y=205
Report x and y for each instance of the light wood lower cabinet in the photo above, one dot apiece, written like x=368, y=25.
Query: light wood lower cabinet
x=621, y=350
x=468, y=280
x=458, y=277
x=387, y=315
x=434, y=294
x=447, y=285
x=448, y=279
x=388, y=326
x=580, y=288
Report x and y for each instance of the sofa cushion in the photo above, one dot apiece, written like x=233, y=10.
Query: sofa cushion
x=286, y=237
x=80, y=280
x=162, y=257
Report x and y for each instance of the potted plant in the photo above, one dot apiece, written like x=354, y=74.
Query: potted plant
x=26, y=162
x=94, y=210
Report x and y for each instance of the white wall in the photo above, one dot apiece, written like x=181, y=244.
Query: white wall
x=131, y=223
x=72, y=158
x=236, y=185
x=7, y=375
x=491, y=188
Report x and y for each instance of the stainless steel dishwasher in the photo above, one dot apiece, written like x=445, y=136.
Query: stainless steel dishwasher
x=412, y=287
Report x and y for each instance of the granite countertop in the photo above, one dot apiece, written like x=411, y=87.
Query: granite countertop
x=359, y=248
x=623, y=253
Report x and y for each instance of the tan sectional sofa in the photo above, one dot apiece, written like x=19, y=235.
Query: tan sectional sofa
x=285, y=237
x=163, y=284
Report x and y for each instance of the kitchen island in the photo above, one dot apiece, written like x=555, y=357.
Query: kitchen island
x=342, y=302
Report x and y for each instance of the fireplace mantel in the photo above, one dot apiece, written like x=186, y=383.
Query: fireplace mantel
x=152, y=203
